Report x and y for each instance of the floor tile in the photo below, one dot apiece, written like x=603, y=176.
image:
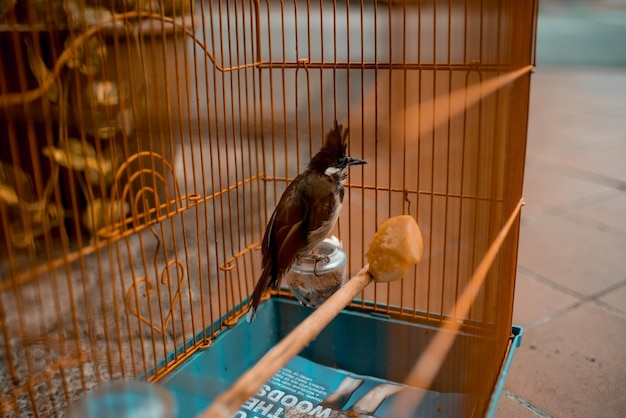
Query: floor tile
x=608, y=163
x=508, y=408
x=565, y=146
x=574, y=366
x=573, y=255
x=575, y=112
x=546, y=189
x=608, y=212
x=535, y=300
x=616, y=298
x=598, y=88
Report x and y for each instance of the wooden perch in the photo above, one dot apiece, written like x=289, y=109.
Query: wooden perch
x=249, y=383
x=427, y=366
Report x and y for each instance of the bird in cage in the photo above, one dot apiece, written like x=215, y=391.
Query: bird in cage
x=306, y=213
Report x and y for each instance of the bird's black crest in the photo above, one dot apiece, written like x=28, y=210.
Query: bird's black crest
x=336, y=140
x=334, y=147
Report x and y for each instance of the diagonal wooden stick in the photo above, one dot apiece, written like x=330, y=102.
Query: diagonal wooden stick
x=248, y=384
x=459, y=101
x=427, y=366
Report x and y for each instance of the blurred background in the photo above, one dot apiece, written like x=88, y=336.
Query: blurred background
x=582, y=33
x=571, y=282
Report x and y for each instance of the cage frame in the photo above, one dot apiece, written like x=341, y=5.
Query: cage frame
x=156, y=215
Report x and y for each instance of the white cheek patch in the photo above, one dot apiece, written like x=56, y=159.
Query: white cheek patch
x=332, y=170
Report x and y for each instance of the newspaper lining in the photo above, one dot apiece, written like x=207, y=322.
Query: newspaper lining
x=304, y=388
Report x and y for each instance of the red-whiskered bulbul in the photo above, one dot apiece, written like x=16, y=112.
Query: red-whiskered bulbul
x=306, y=213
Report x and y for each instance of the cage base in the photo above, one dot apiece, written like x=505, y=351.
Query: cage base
x=359, y=342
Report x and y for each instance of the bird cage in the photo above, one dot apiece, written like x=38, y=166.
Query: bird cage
x=145, y=145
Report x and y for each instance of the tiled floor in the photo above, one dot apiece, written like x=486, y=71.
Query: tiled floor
x=571, y=283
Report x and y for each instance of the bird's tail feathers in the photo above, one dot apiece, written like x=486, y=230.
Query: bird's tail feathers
x=255, y=298
x=251, y=314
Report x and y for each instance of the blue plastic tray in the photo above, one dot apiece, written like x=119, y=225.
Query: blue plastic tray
x=354, y=341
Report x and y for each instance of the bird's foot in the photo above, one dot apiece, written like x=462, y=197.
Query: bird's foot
x=319, y=258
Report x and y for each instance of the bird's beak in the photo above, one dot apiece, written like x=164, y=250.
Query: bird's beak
x=355, y=161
